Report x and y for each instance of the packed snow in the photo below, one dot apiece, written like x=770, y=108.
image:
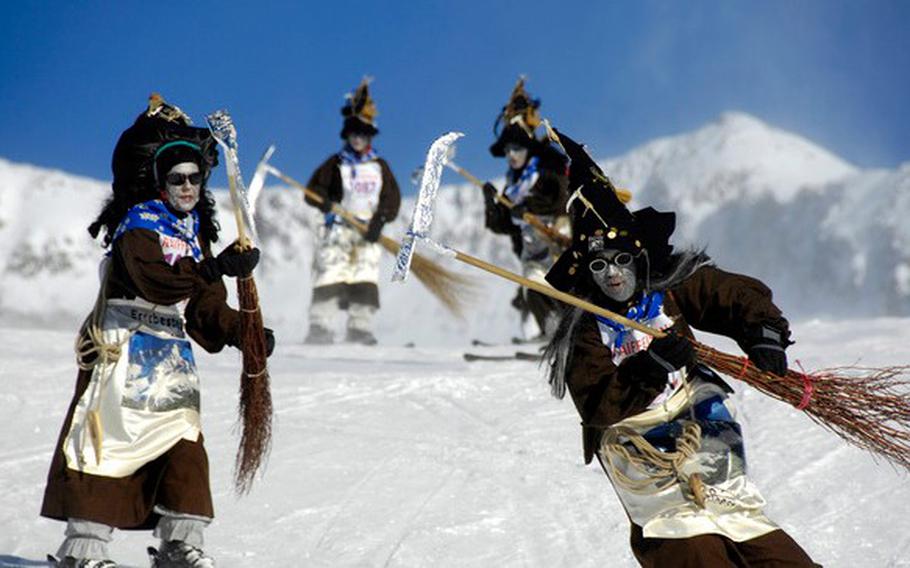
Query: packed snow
x=408, y=456
x=392, y=456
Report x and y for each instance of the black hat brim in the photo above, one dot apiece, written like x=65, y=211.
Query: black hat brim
x=514, y=134
x=354, y=125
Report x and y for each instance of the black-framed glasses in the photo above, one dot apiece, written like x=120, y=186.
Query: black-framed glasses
x=620, y=259
x=178, y=179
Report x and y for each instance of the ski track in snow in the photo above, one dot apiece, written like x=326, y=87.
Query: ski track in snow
x=390, y=456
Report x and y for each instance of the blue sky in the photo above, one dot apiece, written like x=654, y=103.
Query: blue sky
x=73, y=75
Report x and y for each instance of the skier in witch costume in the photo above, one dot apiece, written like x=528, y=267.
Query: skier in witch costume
x=660, y=423
x=130, y=453
x=346, y=262
x=536, y=184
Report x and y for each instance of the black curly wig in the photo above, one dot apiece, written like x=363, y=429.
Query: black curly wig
x=133, y=166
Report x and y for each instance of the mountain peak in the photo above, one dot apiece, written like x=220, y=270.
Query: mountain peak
x=739, y=119
x=735, y=157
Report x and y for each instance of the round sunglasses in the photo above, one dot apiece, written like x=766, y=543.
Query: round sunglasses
x=620, y=259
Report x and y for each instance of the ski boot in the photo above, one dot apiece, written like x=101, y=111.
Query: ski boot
x=360, y=337
x=319, y=335
x=70, y=562
x=178, y=554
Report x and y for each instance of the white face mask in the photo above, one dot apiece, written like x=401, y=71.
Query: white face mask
x=516, y=155
x=615, y=274
x=359, y=142
x=185, y=196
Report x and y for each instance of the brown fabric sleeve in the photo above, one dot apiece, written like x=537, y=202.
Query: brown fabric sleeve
x=721, y=302
x=390, y=196
x=598, y=391
x=138, y=254
x=602, y=393
x=209, y=320
x=326, y=180
x=549, y=194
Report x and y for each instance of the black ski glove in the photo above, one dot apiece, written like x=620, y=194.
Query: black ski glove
x=374, y=229
x=497, y=216
x=231, y=262
x=664, y=356
x=489, y=192
x=765, y=345
x=269, y=341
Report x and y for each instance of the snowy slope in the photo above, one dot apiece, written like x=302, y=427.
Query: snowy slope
x=412, y=458
x=829, y=239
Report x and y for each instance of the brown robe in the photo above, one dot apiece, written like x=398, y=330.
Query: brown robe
x=179, y=479
x=709, y=300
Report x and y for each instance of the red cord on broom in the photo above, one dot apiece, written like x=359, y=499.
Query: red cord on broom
x=868, y=407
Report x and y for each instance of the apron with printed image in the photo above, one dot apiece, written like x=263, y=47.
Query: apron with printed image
x=147, y=397
x=665, y=508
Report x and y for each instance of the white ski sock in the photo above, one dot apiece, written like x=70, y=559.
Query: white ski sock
x=180, y=526
x=360, y=317
x=324, y=312
x=85, y=539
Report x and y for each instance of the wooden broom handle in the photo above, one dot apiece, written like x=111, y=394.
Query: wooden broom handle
x=242, y=240
x=336, y=208
x=545, y=289
x=556, y=294
x=529, y=218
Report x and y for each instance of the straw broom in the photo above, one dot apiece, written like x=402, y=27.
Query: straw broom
x=255, y=406
x=255, y=395
x=867, y=407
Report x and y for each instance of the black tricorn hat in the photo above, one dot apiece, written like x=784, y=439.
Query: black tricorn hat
x=359, y=111
x=601, y=221
x=515, y=134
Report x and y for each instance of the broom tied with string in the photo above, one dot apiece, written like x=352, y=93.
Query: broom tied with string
x=255, y=405
x=867, y=407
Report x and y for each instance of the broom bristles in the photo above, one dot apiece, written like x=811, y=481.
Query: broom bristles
x=867, y=407
x=453, y=290
x=255, y=407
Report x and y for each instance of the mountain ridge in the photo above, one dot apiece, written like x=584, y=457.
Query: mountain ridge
x=820, y=232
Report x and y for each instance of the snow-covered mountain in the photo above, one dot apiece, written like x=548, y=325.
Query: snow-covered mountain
x=828, y=238
x=737, y=158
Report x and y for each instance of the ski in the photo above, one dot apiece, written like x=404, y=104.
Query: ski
x=482, y=343
x=517, y=356
x=523, y=341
